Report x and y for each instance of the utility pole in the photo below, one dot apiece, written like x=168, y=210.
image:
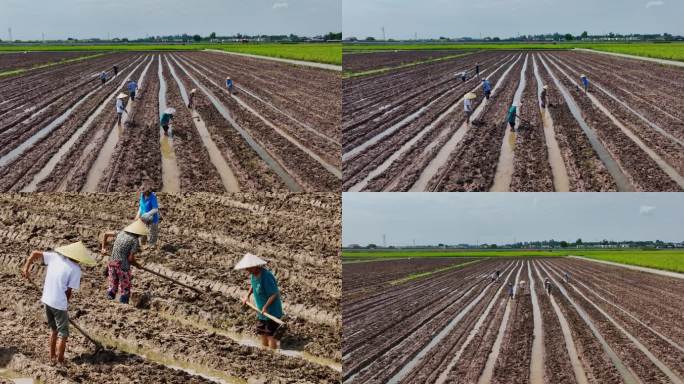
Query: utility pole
x=384, y=240
x=9, y=31
x=43, y=34
x=415, y=36
x=383, y=34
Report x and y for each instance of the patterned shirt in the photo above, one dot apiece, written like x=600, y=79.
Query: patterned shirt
x=124, y=245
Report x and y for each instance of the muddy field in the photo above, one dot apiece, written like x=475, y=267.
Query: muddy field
x=359, y=62
x=279, y=131
x=169, y=333
x=12, y=61
x=606, y=324
x=625, y=134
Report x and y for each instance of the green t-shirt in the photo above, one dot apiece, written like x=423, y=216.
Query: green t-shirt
x=264, y=286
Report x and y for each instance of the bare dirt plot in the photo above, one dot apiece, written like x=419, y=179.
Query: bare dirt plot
x=461, y=326
x=279, y=131
x=359, y=62
x=12, y=61
x=402, y=129
x=202, y=236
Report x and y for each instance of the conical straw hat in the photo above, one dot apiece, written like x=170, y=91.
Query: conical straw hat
x=122, y=96
x=138, y=228
x=170, y=111
x=249, y=260
x=78, y=252
x=470, y=96
x=193, y=90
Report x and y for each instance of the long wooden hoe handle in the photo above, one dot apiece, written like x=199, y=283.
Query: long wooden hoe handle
x=170, y=279
x=277, y=320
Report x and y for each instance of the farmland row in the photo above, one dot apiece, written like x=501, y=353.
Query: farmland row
x=613, y=137
x=598, y=324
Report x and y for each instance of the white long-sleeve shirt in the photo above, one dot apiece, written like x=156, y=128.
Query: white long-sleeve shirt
x=120, y=107
x=467, y=105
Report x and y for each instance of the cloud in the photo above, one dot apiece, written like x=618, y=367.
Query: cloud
x=655, y=3
x=646, y=210
x=280, y=5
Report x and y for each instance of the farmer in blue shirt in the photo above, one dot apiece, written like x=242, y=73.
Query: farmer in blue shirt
x=512, y=114
x=486, y=88
x=229, y=84
x=165, y=119
x=148, y=212
x=585, y=83
x=132, y=88
x=266, y=297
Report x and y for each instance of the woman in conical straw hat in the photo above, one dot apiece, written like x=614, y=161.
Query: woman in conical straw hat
x=120, y=107
x=62, y=275
x=266, y=297
x=191, y=96
x=125, y=246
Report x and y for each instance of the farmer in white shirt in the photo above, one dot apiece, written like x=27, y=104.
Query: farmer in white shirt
x=468, y=105
x=63, y=274
x=120, y=107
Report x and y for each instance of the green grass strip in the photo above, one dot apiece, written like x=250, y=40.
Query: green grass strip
x=416, y=276
x=39, y=66
x=378, y=71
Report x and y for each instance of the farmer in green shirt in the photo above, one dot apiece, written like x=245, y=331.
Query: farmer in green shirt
x=166, y=119
x=512, y=114
x=266, y=297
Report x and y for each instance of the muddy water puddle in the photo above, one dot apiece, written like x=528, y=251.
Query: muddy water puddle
x=54, y=160
x=249, y=340
x=105, y=155
x=443, y=155
x=263, y=154
x=228, y=178
x=170, y=172
x=170, y=362
x=504, y=169
x=561, y=181
x=16, y=377
x=621, y=180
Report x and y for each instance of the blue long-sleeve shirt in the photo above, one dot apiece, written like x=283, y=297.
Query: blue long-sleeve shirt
x=585, y=81
x=132, y=86
x=486, y=86
x=229, y=83
x=147, y=204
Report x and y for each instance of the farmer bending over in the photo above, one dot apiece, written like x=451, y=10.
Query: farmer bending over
x=191, y=96
x=512, y=115
x=165, y=119
x=486, y=88
x=585, y=83
x=132, y=88
x=543, y=96
x=148, y=212
x=103, y=77
x=229, y=84
x=266, y=297
x=63, y=274
x=123, y=256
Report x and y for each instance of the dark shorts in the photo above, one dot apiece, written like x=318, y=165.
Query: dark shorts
x=266, y=327
x=58, y=320
x=132, y=94
x=511, y=124
x=488, y=93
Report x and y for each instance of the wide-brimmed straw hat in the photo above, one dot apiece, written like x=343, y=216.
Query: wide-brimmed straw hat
x=249, y=260
x=137, y=228
x=170, y=111
x=546, y=87
x=122, y=96
x=582, y=76
x=470, y=96
x=193, y=90
x=227, y=77
x=76, y=251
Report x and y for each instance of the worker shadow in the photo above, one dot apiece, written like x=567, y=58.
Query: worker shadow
x=6, y=355
x=294, y=342
x=106, y=357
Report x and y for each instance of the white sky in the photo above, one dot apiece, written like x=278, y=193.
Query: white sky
x=506, y=18
x=452, y=218
x=60, y=19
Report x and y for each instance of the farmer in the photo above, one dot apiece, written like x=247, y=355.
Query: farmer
x=543, y=96
x=521, y=285
x=120, y=107
x=166, y=119
x=132, y=88
x=148, y=212
x=63, y=274
x=510, y=290
x=468, y=105
x=493, y=277
x=567, y=277
x=486, y=88
x=498, y=273
x=266, y=297
x=464, y=76
x=103, y=77
x=477, y=69
x=585, y=83
x=512, y=115
x=116, y=70
x=191, y=96
x=229, y=84
x=125, y=246
x=547, y=286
